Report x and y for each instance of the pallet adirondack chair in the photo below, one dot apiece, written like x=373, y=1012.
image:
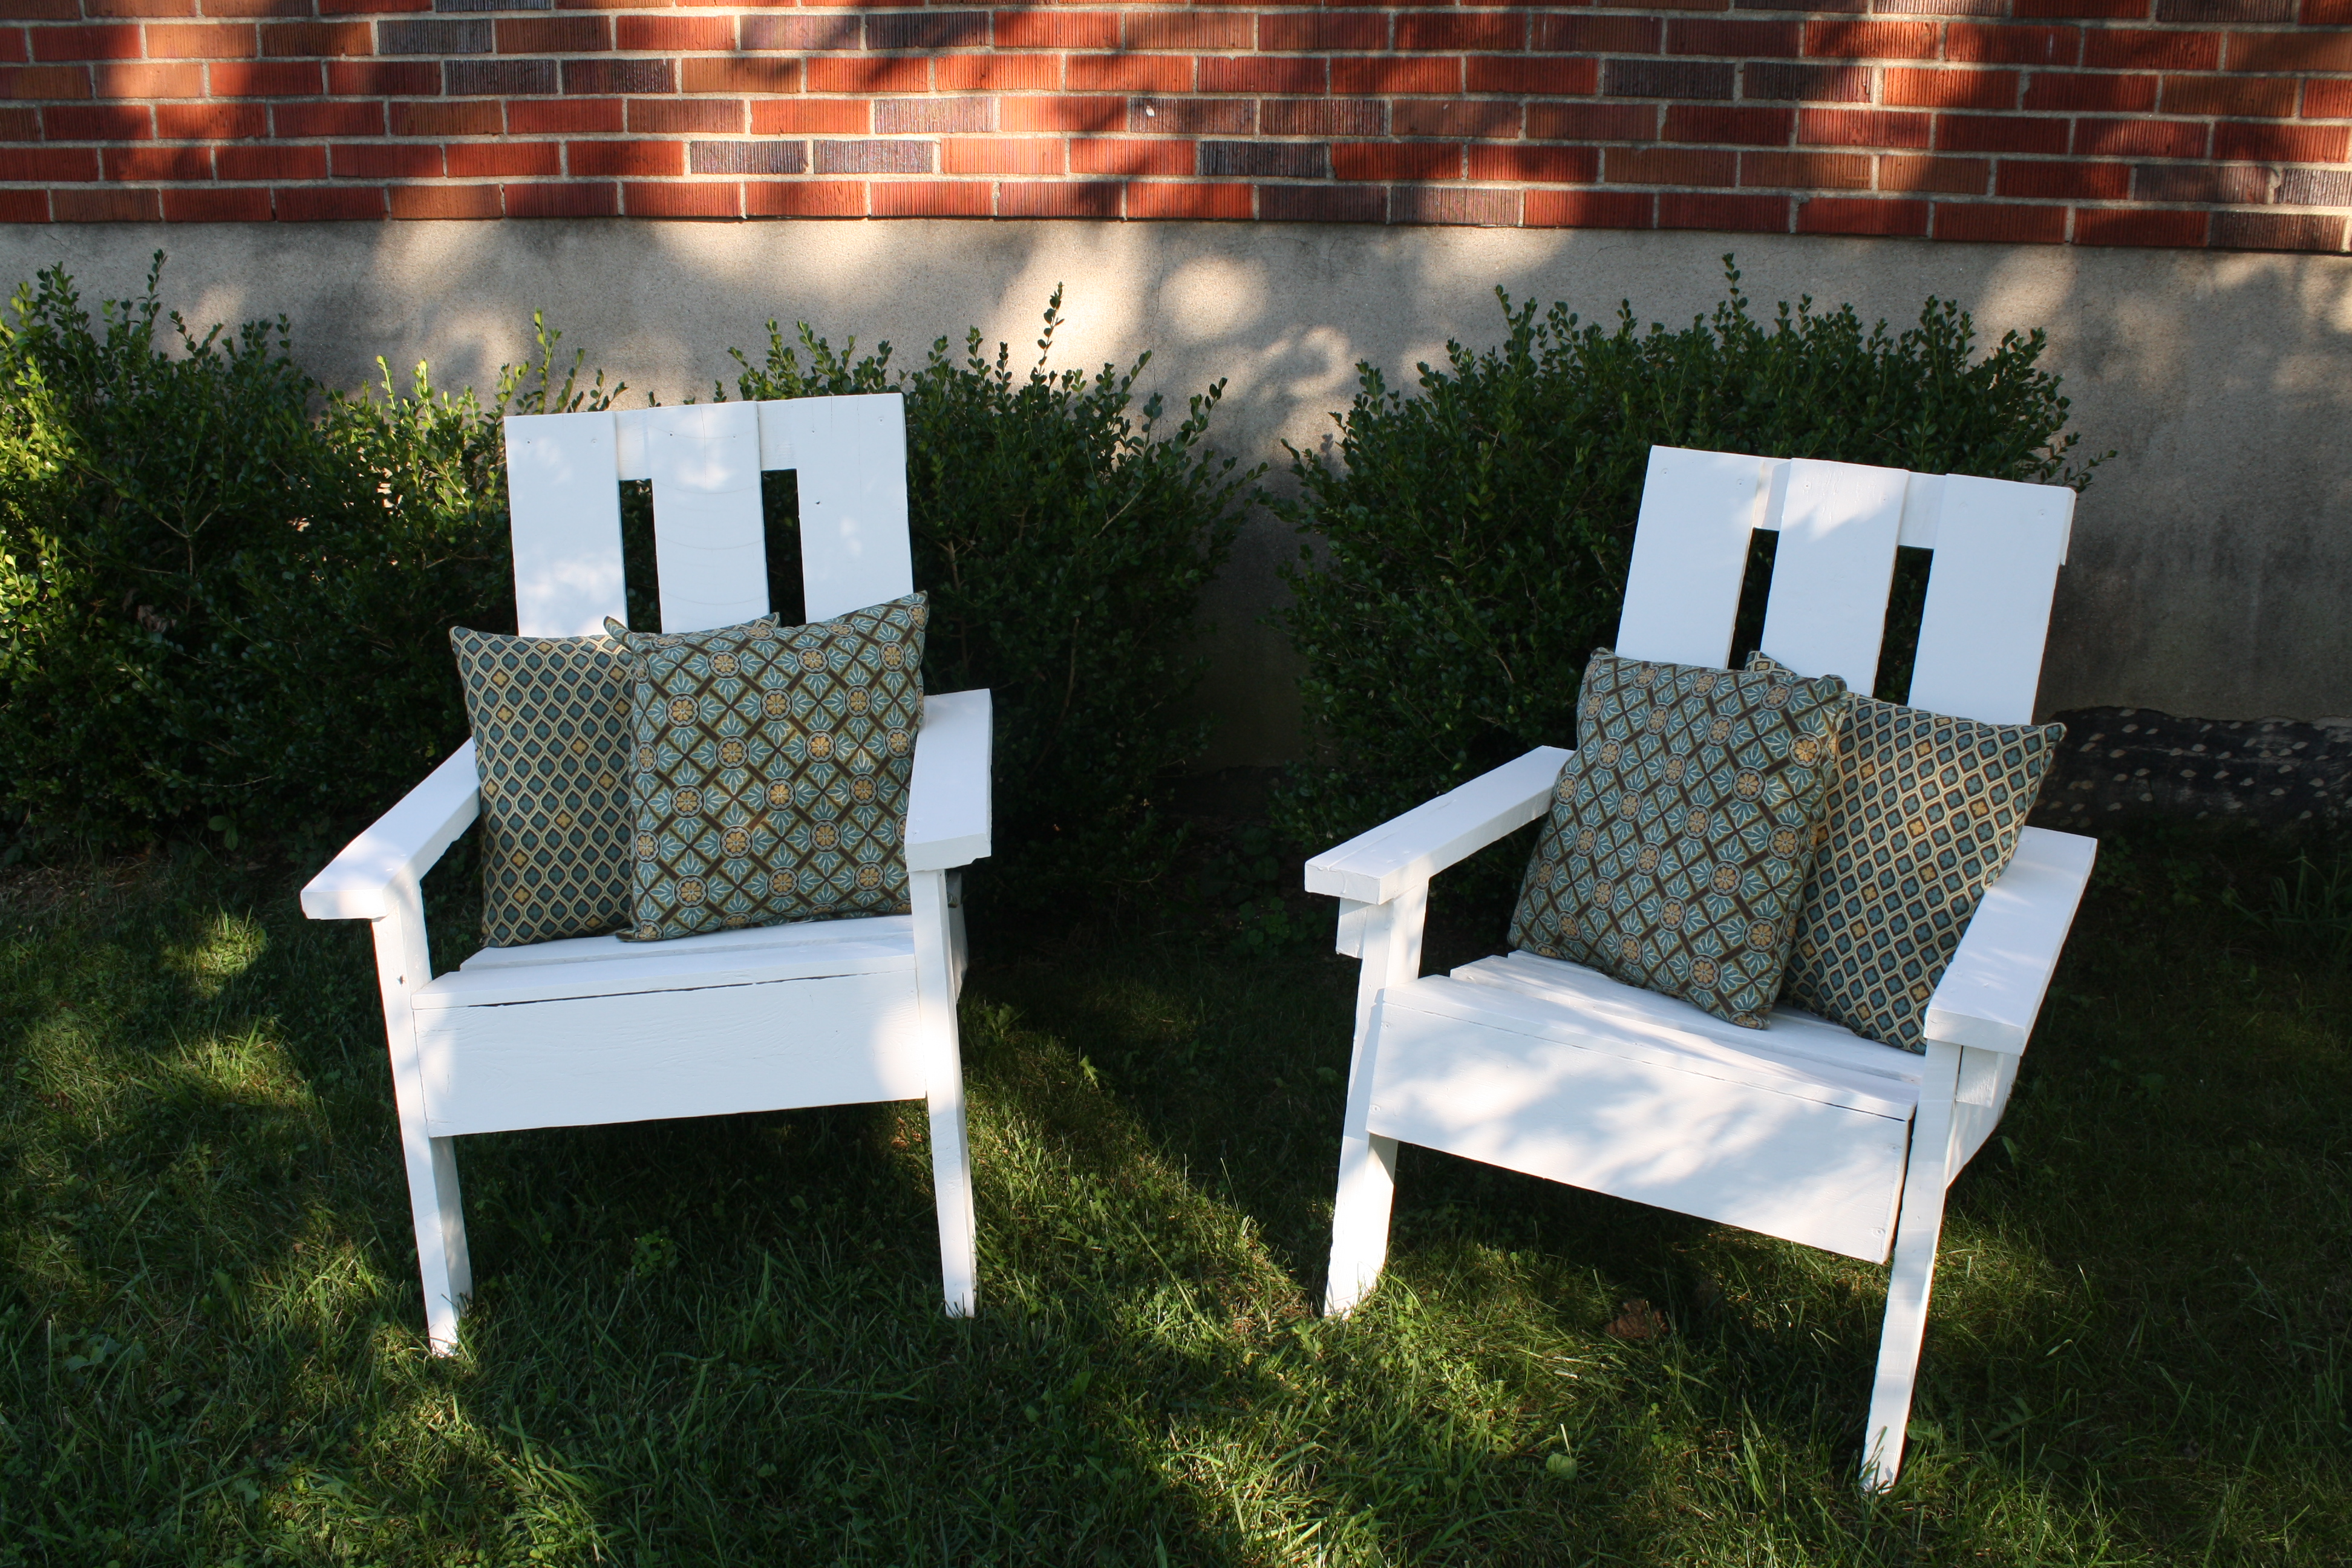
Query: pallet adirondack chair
x=592, y=1029
x=1801, y=1130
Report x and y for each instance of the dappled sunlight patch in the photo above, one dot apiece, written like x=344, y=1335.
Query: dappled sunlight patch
x=225, y=950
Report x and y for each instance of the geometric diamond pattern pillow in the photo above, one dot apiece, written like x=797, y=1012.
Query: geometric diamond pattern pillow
x=1682, y=831
x=550, y=719
x=1923, y=816
x=773, y=766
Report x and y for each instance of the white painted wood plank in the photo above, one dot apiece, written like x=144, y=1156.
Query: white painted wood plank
x=1993, y=991
x=1690, y=551
x=851, y=456
x=1985, y=1080
x=721, y=948
x=564, y=515
x=1998, y=546
x=948, y=808
x=1923, y=506
x=1372, y=866
x=629, y=448
x=1831, y=571
x=1912, y=1281
x=718, y=1051
x=707, y=537
x=1823, y=1174
x=659, y=972
x=399, y=847
x=776, y=433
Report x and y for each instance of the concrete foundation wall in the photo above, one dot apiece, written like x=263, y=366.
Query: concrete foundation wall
x=2212, y=563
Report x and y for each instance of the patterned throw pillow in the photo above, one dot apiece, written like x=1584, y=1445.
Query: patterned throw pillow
x=773, y=766
x=1682, y=829
x=1923, y=817
x=550, y=718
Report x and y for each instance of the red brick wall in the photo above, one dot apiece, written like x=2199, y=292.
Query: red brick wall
x=2163, y=122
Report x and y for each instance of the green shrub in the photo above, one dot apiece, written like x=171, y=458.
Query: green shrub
x=225, y=595
x=1064, y=543
x=1468, y=548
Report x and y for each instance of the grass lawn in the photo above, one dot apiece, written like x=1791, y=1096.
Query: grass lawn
x=720, y=1341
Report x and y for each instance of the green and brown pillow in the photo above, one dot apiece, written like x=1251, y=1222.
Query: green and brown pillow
x=551, y=720
x=1923, y=816
x=771, y=770
x=1682, y=831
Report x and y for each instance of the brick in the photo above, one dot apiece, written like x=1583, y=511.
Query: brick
x=1988, y=222
x=802, y=35
x=2327, y=101
x=211, y=121
x=85, y=44
x=1574, y=34
x=2174, y=230
x=1189, y=200
x=439, y=35
x=1192, y=116
x=738, y=74
x=1454, y=204
x=623, y=76
x=1537, y=76
x=2036, y=181
x=2225, y=10
x=2063, y=91
x=874, y=157
x=1131, y=156
x=2314, y=188
x=553, y=34
x=1940, y=176
x=1042, y=113
x=1483, y=119
x=313, y=203
x=2118, y=10
x=1942, y=7
x=1264, y=73
x=2283, y=143
x=768, y=157
x=2211, y=184
x=679, y=34
x=79, y=122
x=504, y=160
x=1536, y=166
x=931, y=198
x=463, y=119
x=1394, y=74
x=1910, y=88
x=887, y=73
x=1670, y=167
x=1862, y=128
x=12, y=46
x=72, y=11
x=502, y=78
x=2276, y=231
x=1741, y=40
x=1871, y=40
x=1128, y=73
x=1970, y=43
x=1587, y=209
x=375, y=160
x=641, y=158
x=1750, y=215
x=2143, y=48
x=805, y=198
x=1326, y=32
x=23, y=206
x=1072, y=198
x=1189, y=31
x=1850, y=214
x=813, y=117
x=1806, y=170
x=1999, y=133
x=682, y=116
x=121, y=79
x=301, y=8
x=929, y=31
x=1666, y=78
x=1396, y=161
x=1269, y=160
x=197, y=205
x=105, y=206
x=271, y=163
x=303, y=119
x=289, y=39
x=1001, y=155
x=277, y=78
x=668, y=198
x=43, y=164
x=2140, y=138
x=1324, y=116
x=562, y=200
x=933, y=116
x=46, y=81
x=566, y=117
x=2272, y=96
x=2326, y=13
x=1489, y=32
x=1061, y=30
x=1322, y=203
x=20, y=125
x=1592, y=121
x=427, y=202
x=152, y=163
x=1744, y=127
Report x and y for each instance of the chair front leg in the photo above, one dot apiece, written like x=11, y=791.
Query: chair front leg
x=403, y=963
x=1912, y=1278
x=1391, y=939
x=934, y=995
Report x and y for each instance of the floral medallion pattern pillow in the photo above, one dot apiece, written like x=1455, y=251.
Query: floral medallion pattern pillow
x=1683, y=828
x=1924, y=815
x=551, y=720
x=771, y=770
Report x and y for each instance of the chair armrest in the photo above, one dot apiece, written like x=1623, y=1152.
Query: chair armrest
x=948, y=806
x=1376, y=865
x=401, y=846
x=1992, y=991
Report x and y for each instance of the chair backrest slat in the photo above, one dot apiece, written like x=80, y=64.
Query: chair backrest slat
x=710, y=546
x=1690, y=552
x=851, y=455
x=1999, y=545
x=1827, y=609
x=565, y=513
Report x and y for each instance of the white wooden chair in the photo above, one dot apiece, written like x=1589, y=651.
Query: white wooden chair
x=1801, y=1130
x=592, y=1029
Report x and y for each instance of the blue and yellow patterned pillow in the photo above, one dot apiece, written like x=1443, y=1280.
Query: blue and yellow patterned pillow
x=551, y=721
x=1923, y=816
x=1682, y=831
x=771, y=770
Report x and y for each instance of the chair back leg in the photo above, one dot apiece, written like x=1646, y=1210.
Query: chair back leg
x=403, y=963
x=1360, y=1218
x=935, y=994
x=1912, y=1278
